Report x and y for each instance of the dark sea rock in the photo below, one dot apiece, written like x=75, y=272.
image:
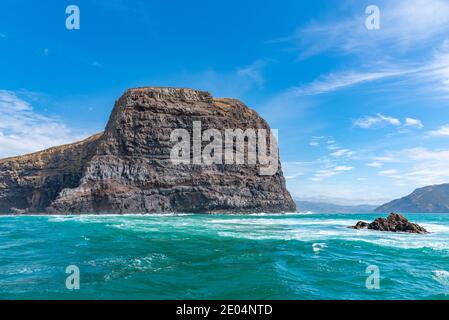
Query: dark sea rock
x=127, y=168
x=361, y=225
x=394, y=223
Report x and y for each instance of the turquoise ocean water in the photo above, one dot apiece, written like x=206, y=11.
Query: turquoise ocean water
x=297, y=256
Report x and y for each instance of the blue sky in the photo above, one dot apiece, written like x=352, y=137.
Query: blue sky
x=362, y=114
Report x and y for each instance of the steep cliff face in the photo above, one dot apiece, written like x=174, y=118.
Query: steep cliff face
x=32, y=182
x=127, y=169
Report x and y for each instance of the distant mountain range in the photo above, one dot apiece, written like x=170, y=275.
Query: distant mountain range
x=323, y=207
x=430, y=199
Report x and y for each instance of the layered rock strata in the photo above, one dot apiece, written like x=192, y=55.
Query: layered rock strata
x=129, y=169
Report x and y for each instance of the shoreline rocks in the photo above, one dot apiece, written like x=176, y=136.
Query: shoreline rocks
x=394, y=223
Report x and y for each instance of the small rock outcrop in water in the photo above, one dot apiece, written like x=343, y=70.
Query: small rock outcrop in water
x=361, y=225
x=127, y=168
x=394, y=223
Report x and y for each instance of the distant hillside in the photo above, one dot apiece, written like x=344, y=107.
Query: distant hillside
x=431, y=199
x=323, y=207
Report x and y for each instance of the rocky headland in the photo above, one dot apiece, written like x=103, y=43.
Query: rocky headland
x=127, y=168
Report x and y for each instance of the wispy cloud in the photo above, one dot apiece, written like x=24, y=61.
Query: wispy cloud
x=405, y=25
x=329, y=172
x=416, y=166
x=411, y=122
x=375, y=164
x=429, y=80
x=342, y=153
x=338, y=81
x=293, y=170
x=431, y=76
x=327, y=141
x=407, y=61
x=379, y=119
x=442, y=131
x=331, y=145
x=389, y=173
x=333, y=163
x=22, y=130
x=343, y=168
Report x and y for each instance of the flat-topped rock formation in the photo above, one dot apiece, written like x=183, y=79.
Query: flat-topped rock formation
x=394, y=223
x=127, y=169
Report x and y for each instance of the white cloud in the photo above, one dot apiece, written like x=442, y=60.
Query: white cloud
x=321, y=174
x=379, y=119
x=329, y=172
x=366, y=122
x=418, y=167
x=432, y=75
x=405, y=25
x=342, y=153
x=329, y=142
x=375, y=164
x=325, y=173
x=293, y=170
x=316, y=141
x=318, y=169
x=412, y=155
x=332, y=145
x=429, y=75
x=337, y=81
x=22, y=130
x=389, y=173
x=329, y=165
x=408, y=57
x=410, y=122
x=389, y=120
x=293, y=176
x=384, y=159
x=441, y=131
x=343, y=168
